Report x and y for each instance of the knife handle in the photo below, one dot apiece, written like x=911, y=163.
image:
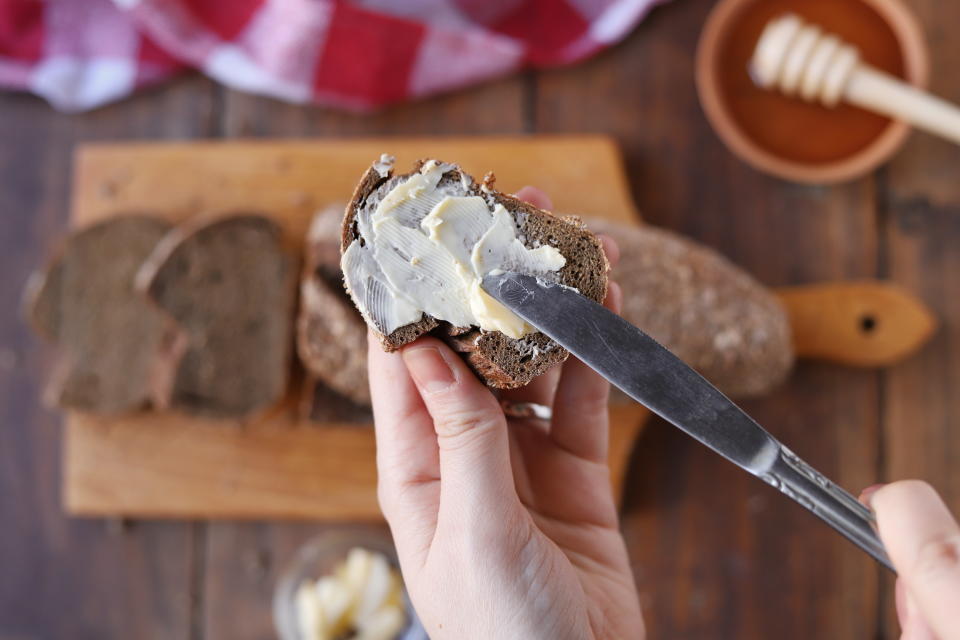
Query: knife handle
x=811, y=489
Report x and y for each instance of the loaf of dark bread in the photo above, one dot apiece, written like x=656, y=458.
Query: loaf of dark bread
x=107, y=334
x=498, y=360
x=331, y=335
x=709, y=312
x=228, y=284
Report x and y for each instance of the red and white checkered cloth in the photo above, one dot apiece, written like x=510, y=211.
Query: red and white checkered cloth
x=357, y=54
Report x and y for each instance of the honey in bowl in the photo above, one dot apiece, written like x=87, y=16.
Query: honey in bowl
x=786, y=136
x=790, y=128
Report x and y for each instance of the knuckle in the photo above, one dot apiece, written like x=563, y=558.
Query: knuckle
x=587, y=408
x=938, y=556
x=465, y=424
x=394, y=494
x=595, y=404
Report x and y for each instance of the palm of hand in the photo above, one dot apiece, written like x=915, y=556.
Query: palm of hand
x=545, y=558
x=505, y=531
x=513, y=527
x=572, y=517
x=534, y=547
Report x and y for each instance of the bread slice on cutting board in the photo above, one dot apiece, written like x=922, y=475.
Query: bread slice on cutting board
x=107, y=334
x=331, y=335
x=712, y=314
x=393, y=285
x=227, y=283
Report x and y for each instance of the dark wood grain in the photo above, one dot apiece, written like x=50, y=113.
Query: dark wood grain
x=921, y=227
x=497, y=107
x=716, y=553
x=243, y=559
x=60, y=577
x=243, y=563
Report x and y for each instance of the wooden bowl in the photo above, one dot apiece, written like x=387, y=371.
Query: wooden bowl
x=721, y=21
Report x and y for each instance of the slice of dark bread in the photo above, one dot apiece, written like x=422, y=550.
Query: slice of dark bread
x=500, y=361
x=228, y=284
x=108, y=335
x=706, y=310
x=331, y=335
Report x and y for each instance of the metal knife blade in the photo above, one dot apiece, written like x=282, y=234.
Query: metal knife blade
x=654, y=377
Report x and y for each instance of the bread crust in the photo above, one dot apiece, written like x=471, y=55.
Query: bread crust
x=331, y=334
x=500, y=361
x=708, y=311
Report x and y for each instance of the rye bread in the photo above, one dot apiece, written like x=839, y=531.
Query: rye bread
x=228, y=284
x=498, y=360
x=107, y=334
x=331, y=334
x=709, y=312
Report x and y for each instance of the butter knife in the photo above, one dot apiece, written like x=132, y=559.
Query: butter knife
x=654, y=377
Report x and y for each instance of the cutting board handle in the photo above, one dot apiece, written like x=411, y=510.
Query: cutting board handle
x=861, y=323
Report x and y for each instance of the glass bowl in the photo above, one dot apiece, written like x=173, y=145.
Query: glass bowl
x=319, y=557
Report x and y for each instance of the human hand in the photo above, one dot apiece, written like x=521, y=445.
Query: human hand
x=505, y=528
x=923, y=541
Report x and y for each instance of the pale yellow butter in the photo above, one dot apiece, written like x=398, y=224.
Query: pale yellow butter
x=426, y=249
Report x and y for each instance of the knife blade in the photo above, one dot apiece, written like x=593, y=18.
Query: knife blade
x=654, y=377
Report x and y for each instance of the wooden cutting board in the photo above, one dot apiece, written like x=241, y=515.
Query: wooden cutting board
x=170, y=465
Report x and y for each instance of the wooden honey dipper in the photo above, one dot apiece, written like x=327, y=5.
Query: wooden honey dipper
x=800, y=59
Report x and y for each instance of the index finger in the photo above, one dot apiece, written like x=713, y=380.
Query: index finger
x=923, y=541
x=536, y=197
x=406, y=442
x=408, y=462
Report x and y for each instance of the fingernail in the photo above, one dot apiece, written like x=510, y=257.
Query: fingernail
x=429, y=368
x=866, y=496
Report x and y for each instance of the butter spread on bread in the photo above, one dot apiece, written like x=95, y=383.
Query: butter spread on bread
x=426, y=247
x=413, y=256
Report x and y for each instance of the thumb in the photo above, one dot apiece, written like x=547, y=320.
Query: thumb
x=475, y=471
x=923, y=541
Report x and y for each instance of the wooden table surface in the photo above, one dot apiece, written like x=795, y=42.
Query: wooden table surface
x=716, y=554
